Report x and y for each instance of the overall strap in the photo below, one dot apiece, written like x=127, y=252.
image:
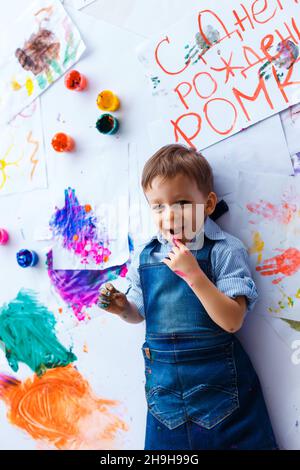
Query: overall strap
x=147, y=250
x=204, y=254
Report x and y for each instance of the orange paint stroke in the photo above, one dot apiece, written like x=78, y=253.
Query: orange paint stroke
x=282, y=213
x=287, y=263
x=59, y=409
x=257, y=246
x=32, y=159
x=48, y=10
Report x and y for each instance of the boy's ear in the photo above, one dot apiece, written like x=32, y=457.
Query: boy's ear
x=211, y=203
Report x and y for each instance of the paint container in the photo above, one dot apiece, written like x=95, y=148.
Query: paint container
x=3, y=236
x=108, y=101
x=107, y=124
x=27, y=258
x=74, y=80
x=62, y=142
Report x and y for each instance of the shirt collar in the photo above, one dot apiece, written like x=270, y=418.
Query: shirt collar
x=211, y=230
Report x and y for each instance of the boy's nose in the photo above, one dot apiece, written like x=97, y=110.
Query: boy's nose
x=172, y=220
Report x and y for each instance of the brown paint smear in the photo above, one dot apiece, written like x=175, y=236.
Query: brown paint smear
x=38, y=51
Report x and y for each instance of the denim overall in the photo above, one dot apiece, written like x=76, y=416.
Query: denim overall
x=201, y=388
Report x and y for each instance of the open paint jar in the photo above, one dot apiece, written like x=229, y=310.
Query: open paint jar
x=108, y=101
x=62, y=142
x=27, y=258
x=74, y=80
x=107, y=124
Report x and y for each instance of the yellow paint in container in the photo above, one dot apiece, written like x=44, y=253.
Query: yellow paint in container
x=108, y=101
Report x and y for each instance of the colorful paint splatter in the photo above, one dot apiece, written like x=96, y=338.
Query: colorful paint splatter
x=77, y=228
x=287, y=52
x=39, y=51
x=27, y=331
x=257, y=246
x=285, y=264
x=61, y=411
x=286, y=302
x=202, y=45
x=80, y=289
x=283, y=213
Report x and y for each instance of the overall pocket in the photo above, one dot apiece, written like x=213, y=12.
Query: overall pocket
x=163, y=394
x=199, y=385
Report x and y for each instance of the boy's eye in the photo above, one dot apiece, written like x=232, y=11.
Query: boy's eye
x=183, y=203
x=160, y=207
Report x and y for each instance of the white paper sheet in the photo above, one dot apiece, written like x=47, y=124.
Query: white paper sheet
x=262, y=147
x=101, y=231
x=22, y=156
x=42, y=44
x=267, y=210
x=205, y=75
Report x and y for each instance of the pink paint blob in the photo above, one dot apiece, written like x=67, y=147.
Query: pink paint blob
x=4, y=237
x=180, y=273
x=174, y=240
x=184, y=276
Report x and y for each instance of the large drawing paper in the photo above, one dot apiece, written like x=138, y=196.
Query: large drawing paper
x=220, y=70
x=41, y=45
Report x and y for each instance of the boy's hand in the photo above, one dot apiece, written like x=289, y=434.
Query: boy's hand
x=112, y=300
x=182, y=262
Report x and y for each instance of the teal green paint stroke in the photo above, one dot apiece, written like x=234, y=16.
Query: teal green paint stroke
x=70, y=52
x=56, y=67
x=42, y=82
x=27, y=329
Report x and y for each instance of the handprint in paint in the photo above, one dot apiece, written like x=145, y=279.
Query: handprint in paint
x=282, y=213
x=285, y=264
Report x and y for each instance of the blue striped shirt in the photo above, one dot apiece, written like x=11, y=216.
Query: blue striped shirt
x=229, y=259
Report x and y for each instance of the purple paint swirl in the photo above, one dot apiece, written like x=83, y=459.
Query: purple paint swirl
x=80, y=289
x=76, y=226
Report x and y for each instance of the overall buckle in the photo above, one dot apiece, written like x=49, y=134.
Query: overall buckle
x=147, y=352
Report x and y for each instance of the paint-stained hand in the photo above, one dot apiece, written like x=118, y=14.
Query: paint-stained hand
x=112, y=300
x=182, y=262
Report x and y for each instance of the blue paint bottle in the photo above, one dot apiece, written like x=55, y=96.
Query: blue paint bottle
x=27, y=258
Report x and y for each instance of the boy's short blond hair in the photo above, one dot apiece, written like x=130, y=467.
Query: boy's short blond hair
x=173, y=159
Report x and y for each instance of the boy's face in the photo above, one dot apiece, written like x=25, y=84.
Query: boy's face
x=179, y=207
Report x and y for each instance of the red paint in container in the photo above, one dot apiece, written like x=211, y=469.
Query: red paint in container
x=62, y=142
x=74, y=80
